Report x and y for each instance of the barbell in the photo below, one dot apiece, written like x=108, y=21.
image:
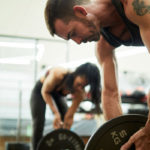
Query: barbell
x=110, y=136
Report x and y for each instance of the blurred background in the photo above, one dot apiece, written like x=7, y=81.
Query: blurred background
x=27, y=49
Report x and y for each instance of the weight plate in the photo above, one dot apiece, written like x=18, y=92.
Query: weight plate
x=61, y=139
x=114, y=133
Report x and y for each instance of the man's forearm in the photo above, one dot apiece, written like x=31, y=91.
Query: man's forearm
x=148, y=121
x=111, y=105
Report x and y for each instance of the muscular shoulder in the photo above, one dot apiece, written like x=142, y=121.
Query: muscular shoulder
x=138, y=11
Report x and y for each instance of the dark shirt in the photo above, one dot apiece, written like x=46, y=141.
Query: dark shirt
x=132, y=28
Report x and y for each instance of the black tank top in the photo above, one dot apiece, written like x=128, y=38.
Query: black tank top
x=133, y=29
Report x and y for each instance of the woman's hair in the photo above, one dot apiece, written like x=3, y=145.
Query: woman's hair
x=60, y=9
x=92, y=74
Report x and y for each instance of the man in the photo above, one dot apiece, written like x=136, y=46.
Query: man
x=53, y=89
x=111, y=23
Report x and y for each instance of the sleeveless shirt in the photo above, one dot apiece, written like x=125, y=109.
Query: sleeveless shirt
x=132, y=28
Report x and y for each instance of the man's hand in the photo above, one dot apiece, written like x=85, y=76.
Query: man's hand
x=68, y=121
x=141, y=140
x=57, y=122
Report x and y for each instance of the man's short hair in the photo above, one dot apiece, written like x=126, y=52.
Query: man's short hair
x=60, y=9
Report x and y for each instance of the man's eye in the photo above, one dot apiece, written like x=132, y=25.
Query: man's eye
x=73, y=34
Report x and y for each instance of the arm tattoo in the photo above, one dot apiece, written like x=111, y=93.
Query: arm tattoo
x=140, y=7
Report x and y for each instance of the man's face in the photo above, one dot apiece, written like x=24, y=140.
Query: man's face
x=77, y=30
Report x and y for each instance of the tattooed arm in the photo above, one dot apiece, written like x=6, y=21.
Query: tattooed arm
x=138, y=11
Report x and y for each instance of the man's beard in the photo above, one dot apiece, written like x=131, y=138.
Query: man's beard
x=95, y=36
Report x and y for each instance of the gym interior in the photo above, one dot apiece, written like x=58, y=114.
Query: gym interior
x=27, y=50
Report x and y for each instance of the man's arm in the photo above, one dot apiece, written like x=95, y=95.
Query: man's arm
x=110, y=91
x=138, y=11
x=147, y=126
x=140, y=14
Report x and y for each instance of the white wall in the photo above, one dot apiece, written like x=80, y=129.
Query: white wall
x=26, y=18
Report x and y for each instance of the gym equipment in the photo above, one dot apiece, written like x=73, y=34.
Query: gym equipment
x=114, y=133
x=137, y=97
x=110, y=136
x=61, y=139
x=17, y=146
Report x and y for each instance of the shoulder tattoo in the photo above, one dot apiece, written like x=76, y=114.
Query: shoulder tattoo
x=140, y=7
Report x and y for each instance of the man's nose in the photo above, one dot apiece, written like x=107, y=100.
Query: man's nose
x=78, y=40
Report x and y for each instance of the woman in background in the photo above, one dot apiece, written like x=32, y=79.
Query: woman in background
x=53, y=88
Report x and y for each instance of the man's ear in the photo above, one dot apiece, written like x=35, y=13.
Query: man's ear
x=79, y=11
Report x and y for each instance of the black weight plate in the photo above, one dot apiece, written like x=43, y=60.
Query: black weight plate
x=17, y=146
x=114, y=133
x=61, y=139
